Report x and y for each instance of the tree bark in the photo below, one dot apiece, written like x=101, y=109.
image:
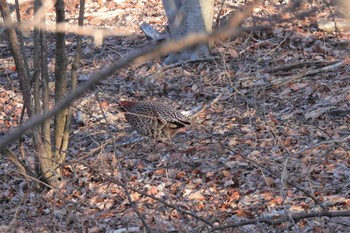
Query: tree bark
x=185, y=17
x=74, y=75
x=60, y=87
x=23, y=76
x=46, y=125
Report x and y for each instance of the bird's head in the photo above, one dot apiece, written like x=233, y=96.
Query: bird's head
x=125, y=105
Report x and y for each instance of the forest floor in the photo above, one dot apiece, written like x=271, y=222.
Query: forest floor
x=271, y=139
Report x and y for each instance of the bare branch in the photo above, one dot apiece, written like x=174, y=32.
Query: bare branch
x=335, y=141
x=22, y=167
x=283, y=218
x=139, y=56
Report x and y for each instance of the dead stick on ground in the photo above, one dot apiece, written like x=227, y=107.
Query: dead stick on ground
x=283, y=218
x=289, y=79
x=340, y=140
x=207, y=106
x=298, y=65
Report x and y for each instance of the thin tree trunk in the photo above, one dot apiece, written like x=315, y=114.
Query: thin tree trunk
x=46, y=129
x=36, y=75
x=18, y=57
x=60, y=87
x=21, y=40
x=23, y=74
x=74, y=74
x=36, y=78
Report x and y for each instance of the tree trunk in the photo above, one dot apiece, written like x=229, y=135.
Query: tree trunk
x=50, y=152
x=24, y=78
x=185, y=17
x=60, y=87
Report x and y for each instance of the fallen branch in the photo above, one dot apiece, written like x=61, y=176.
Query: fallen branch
x=335, y=141
x=204, y=59
x=283, y=218
x=152, y=33
x=298, y=65
x=286, y=80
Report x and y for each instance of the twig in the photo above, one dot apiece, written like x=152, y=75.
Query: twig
x=152, y=33
x=275, y=175
x=274, y=49
x=97, y=34
x=269, y=170
x=122, y=173
x=331, y=13
x=12, y=222
x=96, y=150
x=140, y=56
x=340, y=140
x=289, y=79
x=283, y=218
x=217, y=21
x=207, y=106
x=298, y=65
x=35, y=179
x=204, y=59
x=22, y=167
x=115, y=181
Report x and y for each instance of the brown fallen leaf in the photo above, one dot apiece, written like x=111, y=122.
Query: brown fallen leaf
x=153, y=190
x=244, y=213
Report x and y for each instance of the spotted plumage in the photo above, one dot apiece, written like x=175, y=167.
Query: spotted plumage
x=153, y=119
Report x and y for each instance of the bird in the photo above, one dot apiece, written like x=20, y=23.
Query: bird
x=153, y=119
